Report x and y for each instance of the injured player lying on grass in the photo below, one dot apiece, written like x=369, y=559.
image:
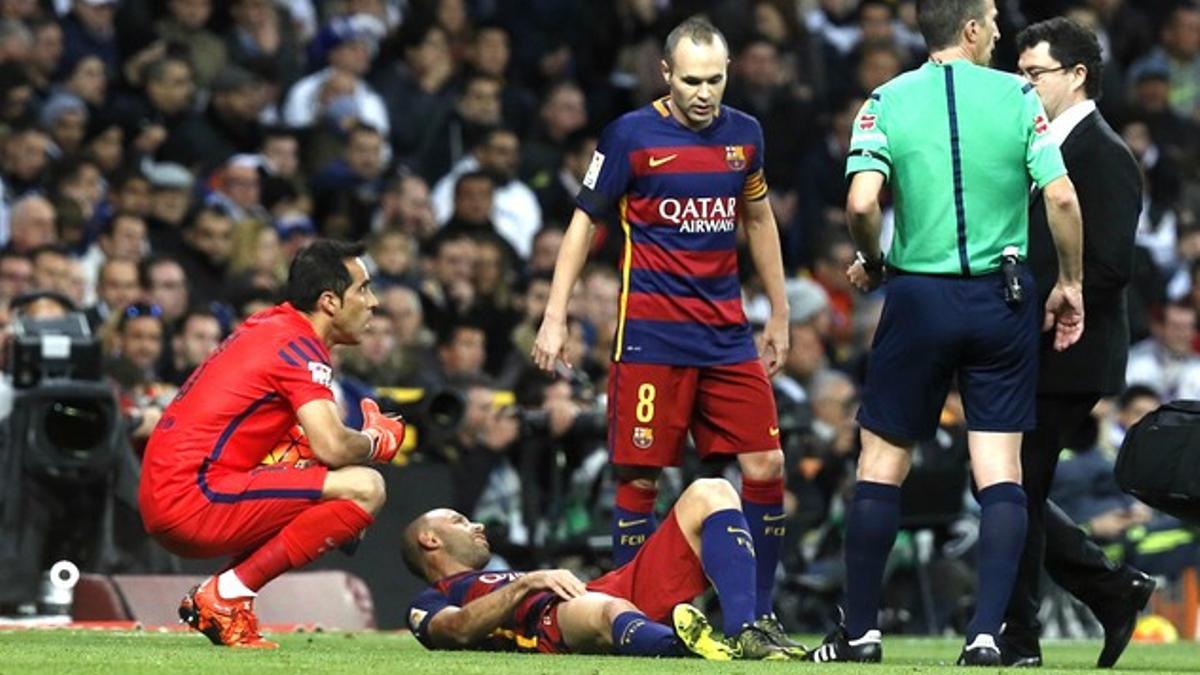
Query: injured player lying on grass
x=705, y=537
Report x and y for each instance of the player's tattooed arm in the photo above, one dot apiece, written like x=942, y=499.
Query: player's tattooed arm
x=462, y=627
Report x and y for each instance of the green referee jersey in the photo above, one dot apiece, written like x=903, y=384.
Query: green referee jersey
x=959, y=144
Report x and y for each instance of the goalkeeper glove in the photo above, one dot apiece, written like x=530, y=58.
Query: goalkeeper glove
x=386, y=433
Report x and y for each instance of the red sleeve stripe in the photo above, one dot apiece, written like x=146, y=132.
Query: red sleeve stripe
x=654, y=307
x=690, y=159
x=686, y=263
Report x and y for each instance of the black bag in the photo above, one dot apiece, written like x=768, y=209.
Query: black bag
x=1159, y=461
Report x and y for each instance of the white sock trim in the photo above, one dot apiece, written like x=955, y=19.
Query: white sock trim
x=230, y=586
x=983, y=640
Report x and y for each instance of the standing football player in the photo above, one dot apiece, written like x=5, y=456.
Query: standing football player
x=678, y=175
x=203, y=492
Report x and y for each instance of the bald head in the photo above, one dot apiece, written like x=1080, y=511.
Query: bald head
x=442, y=542
x=32, y=223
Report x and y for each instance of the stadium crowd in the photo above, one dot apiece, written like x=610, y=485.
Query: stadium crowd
x=162, y=162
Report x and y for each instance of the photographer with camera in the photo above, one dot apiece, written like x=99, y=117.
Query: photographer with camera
x=561, y=457
x=479, y=454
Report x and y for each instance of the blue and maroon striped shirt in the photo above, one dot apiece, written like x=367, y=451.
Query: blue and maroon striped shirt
x=677, y=194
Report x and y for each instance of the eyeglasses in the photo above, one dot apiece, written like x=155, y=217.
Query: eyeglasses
x=1035, y=74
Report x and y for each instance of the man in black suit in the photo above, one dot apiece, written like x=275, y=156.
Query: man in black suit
x=1062, y=59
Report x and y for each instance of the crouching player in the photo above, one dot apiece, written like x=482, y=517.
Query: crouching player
x=203, y=492
x=704, y=539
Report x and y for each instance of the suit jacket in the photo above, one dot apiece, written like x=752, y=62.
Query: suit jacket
x=1108, y=182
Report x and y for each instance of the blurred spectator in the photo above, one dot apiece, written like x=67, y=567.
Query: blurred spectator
x=296, y=230
x=460, y=128
x=90, y=29
x=165, y=284
x=237, y=190
x=562, y=115
x=229, y=125
x=24, y=162
x=116, y=287
x=185, y=24
x=165, y=104
x=1137, y=401
x=546, y=243
x=1166, y=362
x=197, y=334
x=448, y=291
x=461, y=351
x=405, y=206
x=207, y=247
x=89, y=81
x=64, y=116
x=121, y=238
x=261, y=31
x=338, y=93
x=515, y=211
x=16, y=275
x=347, y=191
x=416, y=84
x=31, y=225
x=47, y=51
x=170, y=201
x=1179, y=52
x=392, y=260
x=376, y=359
x=556, y=190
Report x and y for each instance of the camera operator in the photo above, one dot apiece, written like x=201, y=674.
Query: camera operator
x=136, y=345
x=478, y=453
x=563, y=427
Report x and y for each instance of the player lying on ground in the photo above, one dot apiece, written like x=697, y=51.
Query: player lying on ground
x=203, y=492
x=705, y=537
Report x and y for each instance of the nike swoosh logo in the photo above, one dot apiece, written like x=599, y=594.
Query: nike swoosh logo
x=770, y=518
x=773, y=431
x=656, y=162
x=738, y=530
x=631, y=523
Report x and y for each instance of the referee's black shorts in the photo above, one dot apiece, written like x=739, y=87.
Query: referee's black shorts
x=934, y=328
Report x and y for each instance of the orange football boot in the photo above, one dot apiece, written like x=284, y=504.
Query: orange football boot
x=226, y=622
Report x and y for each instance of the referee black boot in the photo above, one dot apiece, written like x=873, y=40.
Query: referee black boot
x=1119, y=613
x=1019, y=648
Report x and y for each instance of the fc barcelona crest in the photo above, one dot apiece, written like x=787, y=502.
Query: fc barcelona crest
x=735, y=157
x=643, y=437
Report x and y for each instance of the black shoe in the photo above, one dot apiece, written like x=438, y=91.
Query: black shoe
x=982, y=652
x=1018, y=653
x=1119, y=616
x=837, y=646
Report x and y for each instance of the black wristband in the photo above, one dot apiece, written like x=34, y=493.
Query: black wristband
x=871, y=266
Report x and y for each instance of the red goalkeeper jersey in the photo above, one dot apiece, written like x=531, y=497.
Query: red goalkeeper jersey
x=236, y=406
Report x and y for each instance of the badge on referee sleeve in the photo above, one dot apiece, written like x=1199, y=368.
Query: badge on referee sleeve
x=869, y=149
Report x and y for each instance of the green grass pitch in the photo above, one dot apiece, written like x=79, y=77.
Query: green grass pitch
x=114, y=653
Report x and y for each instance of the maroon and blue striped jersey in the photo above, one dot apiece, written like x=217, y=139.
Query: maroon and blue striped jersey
x=519, y=633
x=677, y=194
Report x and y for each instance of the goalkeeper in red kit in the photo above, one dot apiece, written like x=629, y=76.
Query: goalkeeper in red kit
x=203, y=490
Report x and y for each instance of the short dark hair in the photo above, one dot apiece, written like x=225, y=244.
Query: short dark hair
x=1071, y=44
x=699, y=29
x=1135, y=391
x=473, y=175
x=449, y=332
x=194, y=313
x=320, y=267
x=146, y=267
x=942, y=21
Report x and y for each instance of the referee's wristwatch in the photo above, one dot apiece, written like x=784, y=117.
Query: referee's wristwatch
x=869, y=265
